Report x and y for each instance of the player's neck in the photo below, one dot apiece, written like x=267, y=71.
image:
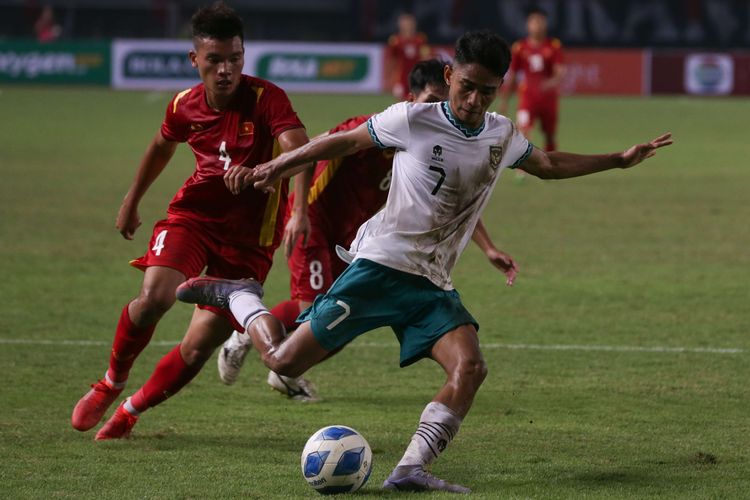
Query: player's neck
x=218, y=103
x=536, y=40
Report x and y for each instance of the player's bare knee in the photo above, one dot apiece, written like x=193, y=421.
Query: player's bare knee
x=470, y=373
x=195, y=357
x=152, y=304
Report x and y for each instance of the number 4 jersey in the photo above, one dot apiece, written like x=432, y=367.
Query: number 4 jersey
x=443, y=175
x=243, y=134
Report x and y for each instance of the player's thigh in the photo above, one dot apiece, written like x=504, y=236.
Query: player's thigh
x=437, y=314
x=179, y=245
x=525, y=115
x=239, y=261
x=206, y=332
x=310, y=270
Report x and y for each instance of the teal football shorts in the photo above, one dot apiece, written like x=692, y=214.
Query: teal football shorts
x=368, y=295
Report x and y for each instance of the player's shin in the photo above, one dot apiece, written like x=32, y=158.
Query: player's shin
x=438, y=426
x=129, y=341
x=246, y=307
x=172, y=373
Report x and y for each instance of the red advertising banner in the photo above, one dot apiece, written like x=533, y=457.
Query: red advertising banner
x=593, y=71
x=603, y=72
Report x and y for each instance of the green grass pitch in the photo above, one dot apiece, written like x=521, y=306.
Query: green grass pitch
x=651, y=265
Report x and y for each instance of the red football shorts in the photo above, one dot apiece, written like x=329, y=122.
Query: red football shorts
x=531, y=109
x=187, y=247
x=313, y=267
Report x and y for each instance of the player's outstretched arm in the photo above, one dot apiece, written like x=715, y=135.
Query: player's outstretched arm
x=345, y=143
x=497, y=258
x=559, y=165
x=157, y=155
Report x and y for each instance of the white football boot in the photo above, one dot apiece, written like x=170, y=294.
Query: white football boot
x=299, y=389
x=232, y=356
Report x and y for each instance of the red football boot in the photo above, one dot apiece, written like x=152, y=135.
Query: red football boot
x=118, y=426
x=91, y=407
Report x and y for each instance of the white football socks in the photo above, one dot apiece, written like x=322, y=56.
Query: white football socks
x=438, y=426
x=246, y=307
x=130, y=408
x=112, y=383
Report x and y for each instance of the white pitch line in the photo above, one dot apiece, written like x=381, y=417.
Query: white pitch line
x=522, y=347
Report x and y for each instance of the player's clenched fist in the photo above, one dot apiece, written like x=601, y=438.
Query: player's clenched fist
x=127, y=221
x=238, y=178
x=265, y=177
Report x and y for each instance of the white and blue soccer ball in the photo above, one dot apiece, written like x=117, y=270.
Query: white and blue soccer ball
x=336, y=459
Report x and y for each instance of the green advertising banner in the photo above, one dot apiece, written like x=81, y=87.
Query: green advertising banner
x=55, y=63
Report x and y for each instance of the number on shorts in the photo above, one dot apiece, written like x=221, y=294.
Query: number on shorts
x=223, y=156
x=385, y=184
x=316, y=275
x=159, y=242
x=347, y=311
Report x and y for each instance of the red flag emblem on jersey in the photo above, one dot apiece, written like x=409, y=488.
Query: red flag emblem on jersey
x=246, y=128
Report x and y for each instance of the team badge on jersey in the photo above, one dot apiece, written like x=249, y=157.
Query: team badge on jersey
x=496, y=154
x=196, y=127
x=246, y=128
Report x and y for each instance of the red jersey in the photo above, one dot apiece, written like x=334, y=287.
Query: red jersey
x=405, y=52
x=347, y=191
x=242, y=134
x=536, y=62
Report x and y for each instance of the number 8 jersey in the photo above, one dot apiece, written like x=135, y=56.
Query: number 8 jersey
x=443, y=175
x=243, y=134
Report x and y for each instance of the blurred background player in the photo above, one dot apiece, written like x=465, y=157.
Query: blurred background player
x=537, y=68
x=229, y=119
x=46, y=28
x=345, y=193
x=404, y=50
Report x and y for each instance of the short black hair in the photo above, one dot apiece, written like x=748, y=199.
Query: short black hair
x=536, y=10
x=486, y=48
x=428, y=72
x=218, y=21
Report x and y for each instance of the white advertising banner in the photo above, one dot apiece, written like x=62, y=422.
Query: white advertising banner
x=295, y=67
x=152, y=65
x=709, y=74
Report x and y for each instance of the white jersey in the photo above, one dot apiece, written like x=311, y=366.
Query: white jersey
x=443, y=175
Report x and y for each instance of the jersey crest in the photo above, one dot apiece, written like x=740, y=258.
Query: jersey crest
x=246, y=128
x=496, y=154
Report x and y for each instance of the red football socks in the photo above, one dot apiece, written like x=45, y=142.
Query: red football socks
x=171, y=375
x=129, y=341
x=287, y=313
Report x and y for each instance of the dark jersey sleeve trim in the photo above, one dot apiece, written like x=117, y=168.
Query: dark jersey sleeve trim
x=524, y=156
x=374, y=136
x=288, y=127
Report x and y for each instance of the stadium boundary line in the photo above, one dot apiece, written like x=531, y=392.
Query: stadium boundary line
x=490, y=345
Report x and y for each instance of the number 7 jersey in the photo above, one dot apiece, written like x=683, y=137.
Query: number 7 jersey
x=443, y=175
x=243, y=134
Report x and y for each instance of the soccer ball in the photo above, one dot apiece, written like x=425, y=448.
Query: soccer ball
x=336, y=459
